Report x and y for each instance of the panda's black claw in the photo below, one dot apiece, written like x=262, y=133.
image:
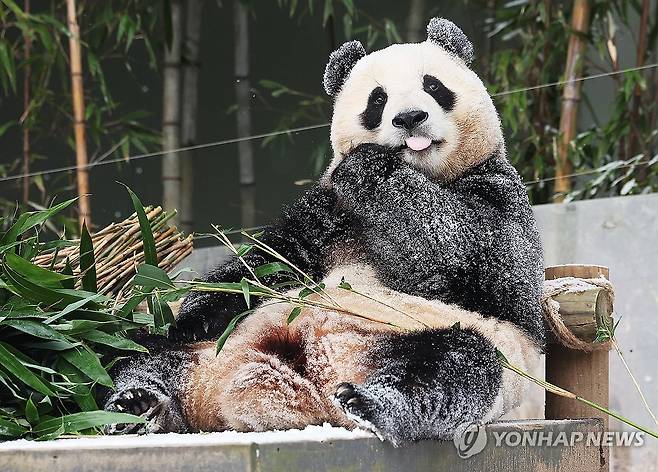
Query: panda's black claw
x=353, y=401
x=344, y=390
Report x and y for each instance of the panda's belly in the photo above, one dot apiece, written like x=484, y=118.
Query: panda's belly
x=325, y=345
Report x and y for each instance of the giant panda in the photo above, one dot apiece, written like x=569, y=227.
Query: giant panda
x=422, y=214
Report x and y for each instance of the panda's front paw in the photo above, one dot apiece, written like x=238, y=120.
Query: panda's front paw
x=193, y=322
x=364, y=168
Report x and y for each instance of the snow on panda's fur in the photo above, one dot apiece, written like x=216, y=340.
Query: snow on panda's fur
x=420, y=210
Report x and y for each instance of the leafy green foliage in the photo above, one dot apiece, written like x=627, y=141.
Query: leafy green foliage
x=57, y=343
x=109, y=31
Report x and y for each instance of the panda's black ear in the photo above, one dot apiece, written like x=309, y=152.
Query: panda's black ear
x=341, y=62
x=448, y=35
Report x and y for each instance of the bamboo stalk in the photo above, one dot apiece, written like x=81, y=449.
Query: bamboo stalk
x=26, y=106
x=77, y=93
x=415, y=21
x=571, y=96
x=242, y=92
x=171, y=168
x=189, y=110
x=635, y=143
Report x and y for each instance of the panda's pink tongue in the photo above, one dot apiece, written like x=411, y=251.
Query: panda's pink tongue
x=418, y=143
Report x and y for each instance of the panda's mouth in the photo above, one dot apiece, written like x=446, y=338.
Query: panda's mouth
x=420, y=143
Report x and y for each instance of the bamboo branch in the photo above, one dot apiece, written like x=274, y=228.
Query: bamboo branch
x=77, y=93
x=554, y=389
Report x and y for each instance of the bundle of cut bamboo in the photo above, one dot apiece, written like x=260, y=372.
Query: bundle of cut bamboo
x=118, y=251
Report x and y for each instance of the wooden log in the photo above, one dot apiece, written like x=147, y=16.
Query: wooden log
x=584, y=309
x=583, y=373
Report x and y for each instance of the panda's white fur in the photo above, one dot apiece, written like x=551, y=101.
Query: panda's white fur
x=470, y=132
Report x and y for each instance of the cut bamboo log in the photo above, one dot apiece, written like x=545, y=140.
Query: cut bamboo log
x=583, y=373
x=118, y=251
x=571, y=97
x=78, y=96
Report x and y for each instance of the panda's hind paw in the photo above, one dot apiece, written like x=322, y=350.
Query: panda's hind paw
x=358, y=406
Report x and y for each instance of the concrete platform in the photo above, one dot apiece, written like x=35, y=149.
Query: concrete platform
x=315, y=448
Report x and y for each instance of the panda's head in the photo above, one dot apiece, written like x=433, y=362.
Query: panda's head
x=420, y=98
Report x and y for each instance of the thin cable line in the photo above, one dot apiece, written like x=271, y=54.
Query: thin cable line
x=161, y=153
x=100, y=162
x=577, y=79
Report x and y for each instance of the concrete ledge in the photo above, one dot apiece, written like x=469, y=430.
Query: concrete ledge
x=314, y=448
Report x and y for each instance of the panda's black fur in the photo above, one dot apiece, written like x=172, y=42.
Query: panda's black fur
x=470, y=241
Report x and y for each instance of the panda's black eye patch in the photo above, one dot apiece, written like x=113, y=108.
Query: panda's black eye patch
x=371, y=117
x=443, y=95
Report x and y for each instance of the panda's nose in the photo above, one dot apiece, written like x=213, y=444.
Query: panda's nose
x=409, y=119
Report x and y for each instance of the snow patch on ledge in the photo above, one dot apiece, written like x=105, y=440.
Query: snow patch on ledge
x=322, y=433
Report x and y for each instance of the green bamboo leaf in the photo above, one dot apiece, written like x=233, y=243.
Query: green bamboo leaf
x=68, y=270
x=45, y=295
x=133, y=302
x=29, y=220
x=31, y=413
x=34, y=273
x=37, y=329
x=344, y=285
x=294, y=314
x=87, y=260
x=89, y=364
x=73, y=307
x=272, y=268
x=150, y=254
x=244, y=249
x=7, y=61
x=82, y=390
x=14, y=8
x=114, y=341
x=84, y=420
x=162, y=314
x=244, y=285
x=150, y=277
x=229, y=329
x=15, y=367
x=10, y=429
